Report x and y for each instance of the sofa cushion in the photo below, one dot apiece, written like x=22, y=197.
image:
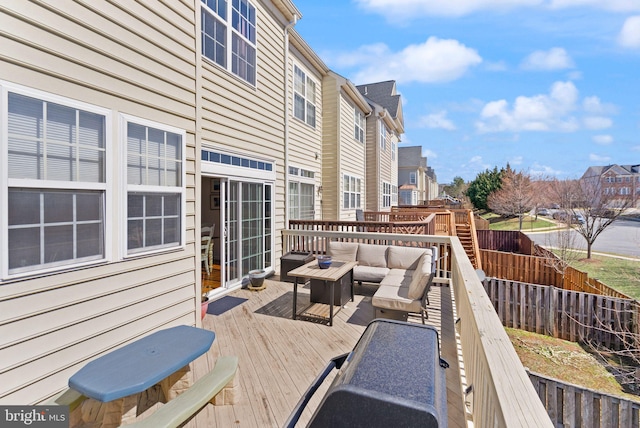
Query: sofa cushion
x=420, y=277
x=372, y=255
x=395, y=298
x=404, y=257
x=369, y=273
x=344, y=251
x=398, y=277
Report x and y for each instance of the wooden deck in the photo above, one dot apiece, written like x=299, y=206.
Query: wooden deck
x=280, y=357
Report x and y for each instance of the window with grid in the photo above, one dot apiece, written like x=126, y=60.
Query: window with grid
x=155, y=191
x=413, y=178
x=56, y=181
x=386, y=195
x=383, y=136
x=301, y=194
x=221, y=23
x=359, y=121
x=352, y=192
x=304, y=97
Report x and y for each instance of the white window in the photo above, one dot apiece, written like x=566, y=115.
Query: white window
x=155, y=185
x=352, y=192
x=221, y=24
x=413, y=177
x=301, y=194
x=56, y=184
x=386, y=195
x=359, y=125
x=383, y=136
x=304, y=97
x=625, y=191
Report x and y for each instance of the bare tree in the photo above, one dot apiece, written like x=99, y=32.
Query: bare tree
x=589, y=206
x=515, y=197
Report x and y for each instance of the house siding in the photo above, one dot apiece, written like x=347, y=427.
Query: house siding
x=352, y=159
x=133, y=59
x=331, y=176
x=372, y=180
x=305, y=141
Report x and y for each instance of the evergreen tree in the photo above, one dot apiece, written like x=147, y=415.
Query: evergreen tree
x=484, y=184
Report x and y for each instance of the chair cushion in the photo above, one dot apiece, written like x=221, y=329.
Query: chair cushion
x=372, y=255
x=395, y=298
x=420, y=277
x=369, y=273
x=344, y=251
x=398, y=277
x=404, y=257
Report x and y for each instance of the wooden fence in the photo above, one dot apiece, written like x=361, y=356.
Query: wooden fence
x=542, y=270
x=570, y=405
x=509, y=241
x=565, y=314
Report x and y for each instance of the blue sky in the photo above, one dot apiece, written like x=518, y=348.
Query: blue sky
x=549, y=86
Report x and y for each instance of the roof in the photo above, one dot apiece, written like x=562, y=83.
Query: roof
x=615, y=169
x=384, y=94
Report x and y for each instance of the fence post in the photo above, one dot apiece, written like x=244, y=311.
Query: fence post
x=551, y=307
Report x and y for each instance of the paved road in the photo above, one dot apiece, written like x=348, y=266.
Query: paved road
x=622, y=238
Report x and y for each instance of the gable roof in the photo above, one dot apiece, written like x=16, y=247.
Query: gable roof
x=384, y=95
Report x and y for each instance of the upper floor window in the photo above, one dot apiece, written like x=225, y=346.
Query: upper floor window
x=56, y=181
x=413, y=177
x=221, y=24
x=352, y=192
x=393, y=151
x=359, y=125
x=304, y=97
x=155, y=191
x=383, y=136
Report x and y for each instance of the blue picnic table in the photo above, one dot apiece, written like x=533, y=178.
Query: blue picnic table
x=141, y=364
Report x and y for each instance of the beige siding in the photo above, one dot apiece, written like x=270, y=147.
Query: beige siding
x=352, y=159
x=250, y=120
x=133, y=58
x=373, y=164
x=331, y=181
x=305, y=141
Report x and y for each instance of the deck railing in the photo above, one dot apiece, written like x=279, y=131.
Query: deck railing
x=500, y=392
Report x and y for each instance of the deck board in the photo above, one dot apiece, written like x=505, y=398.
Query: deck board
x=280, y=357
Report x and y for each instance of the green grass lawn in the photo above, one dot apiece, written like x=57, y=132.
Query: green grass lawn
x=620, y=274
x=497, y=222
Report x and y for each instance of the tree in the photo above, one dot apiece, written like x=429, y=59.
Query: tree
x=589, y=206
x=515, y=196
x=457, y=188
x=484, y=184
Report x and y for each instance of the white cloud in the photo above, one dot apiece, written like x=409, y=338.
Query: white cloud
x=438, y=121
x=596, y=123
x=603, y=140
x=516, y=160
x=596, y=158
x=545, y=112
x=429, y=154
x=436, y=60
x=593, y=105
x=544, y=171
x=635, y=149
x=398, y=10
x=629, y=36
x=612, y=5
x=553, y=59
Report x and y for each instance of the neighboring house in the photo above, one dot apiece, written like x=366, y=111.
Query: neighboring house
x=304, y=130
x=343, y=154
x=432, y=185
x=408, y=194
x=245, y=134
x=622, y=180
x=98, y=151
x=385, y=125
x=412, y=171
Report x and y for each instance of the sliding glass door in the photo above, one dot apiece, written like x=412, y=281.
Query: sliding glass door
x=248, y=233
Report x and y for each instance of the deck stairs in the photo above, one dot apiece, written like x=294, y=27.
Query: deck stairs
x=466, y=232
